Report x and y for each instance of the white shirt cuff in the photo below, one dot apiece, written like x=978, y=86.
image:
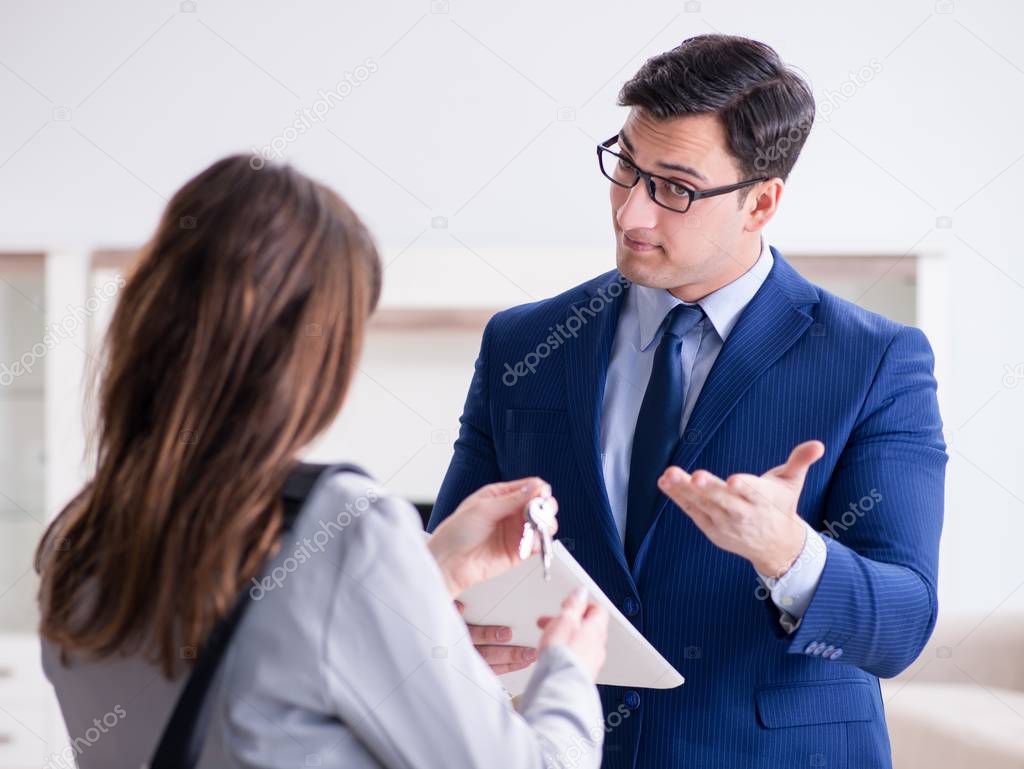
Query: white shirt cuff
x=793, y=591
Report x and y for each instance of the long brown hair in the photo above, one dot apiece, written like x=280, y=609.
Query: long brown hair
x=232, y=345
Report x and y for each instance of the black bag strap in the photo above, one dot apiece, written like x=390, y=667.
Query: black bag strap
x=183, y=737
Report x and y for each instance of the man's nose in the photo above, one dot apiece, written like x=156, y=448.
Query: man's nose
x=638, y=212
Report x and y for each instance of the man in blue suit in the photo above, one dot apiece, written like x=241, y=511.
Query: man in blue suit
x=751, y=467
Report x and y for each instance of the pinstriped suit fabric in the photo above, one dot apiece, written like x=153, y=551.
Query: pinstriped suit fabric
x=799, y=364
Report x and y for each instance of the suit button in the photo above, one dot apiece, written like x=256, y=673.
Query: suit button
x=827, y=652
x=811, y=647
x=631, y=606
x=632, y=700
x=837, y=654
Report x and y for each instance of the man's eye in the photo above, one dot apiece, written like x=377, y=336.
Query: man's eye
x=677, y=190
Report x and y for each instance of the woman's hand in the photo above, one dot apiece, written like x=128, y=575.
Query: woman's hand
x=481, y=538
x=583, y=627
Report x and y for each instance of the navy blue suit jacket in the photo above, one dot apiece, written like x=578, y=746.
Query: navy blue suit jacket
x=799, y=364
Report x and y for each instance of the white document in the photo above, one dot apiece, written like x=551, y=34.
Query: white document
x=518, y=597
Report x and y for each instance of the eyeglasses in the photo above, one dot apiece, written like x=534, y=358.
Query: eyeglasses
x=667, y=193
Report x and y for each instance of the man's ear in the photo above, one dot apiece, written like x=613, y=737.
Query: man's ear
x=762, y=203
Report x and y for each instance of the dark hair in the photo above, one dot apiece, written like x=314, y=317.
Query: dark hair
x=232, y=346
x=766, y=107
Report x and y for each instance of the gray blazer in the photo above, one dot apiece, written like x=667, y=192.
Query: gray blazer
x=352, y=655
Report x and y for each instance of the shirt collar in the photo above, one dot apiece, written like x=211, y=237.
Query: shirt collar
x=723, y=307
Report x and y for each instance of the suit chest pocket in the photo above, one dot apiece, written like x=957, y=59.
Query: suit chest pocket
x=536, y=442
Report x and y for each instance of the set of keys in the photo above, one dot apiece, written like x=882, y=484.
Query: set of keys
x=538, y=520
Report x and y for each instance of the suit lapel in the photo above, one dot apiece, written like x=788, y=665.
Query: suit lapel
x=586, y=369
x=769, y=325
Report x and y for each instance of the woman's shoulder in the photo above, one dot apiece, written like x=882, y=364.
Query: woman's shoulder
x=349, y=526
x=349, y=512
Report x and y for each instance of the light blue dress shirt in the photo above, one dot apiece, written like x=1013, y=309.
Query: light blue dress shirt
x=629, y=368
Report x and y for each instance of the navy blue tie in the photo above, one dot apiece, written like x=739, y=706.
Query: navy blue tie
x=657, y=426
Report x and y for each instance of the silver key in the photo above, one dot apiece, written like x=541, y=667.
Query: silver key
x=539, y=520
x=526, y=542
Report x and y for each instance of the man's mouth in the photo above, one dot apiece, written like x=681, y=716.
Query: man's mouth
x=637, y=245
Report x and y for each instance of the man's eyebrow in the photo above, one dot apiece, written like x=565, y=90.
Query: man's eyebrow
x=626, y=142
x=669, y=166
x=684, y=169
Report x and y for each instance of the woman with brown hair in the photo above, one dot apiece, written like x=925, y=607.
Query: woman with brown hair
x=232, y=346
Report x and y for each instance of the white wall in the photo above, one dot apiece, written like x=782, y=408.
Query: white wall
x=461, y=120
